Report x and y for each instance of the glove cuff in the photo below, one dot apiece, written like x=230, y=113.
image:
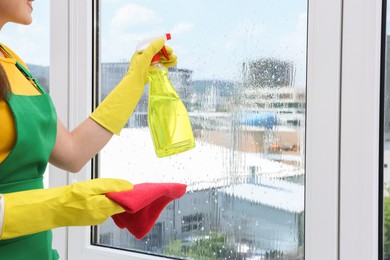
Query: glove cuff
x=115, y=110
x=2, y=206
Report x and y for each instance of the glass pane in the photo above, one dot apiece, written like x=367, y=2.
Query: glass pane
x=241, y=75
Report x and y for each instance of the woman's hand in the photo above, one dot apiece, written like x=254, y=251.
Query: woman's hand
x=78, y=204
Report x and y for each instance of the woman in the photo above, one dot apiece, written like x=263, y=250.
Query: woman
x=31, y=136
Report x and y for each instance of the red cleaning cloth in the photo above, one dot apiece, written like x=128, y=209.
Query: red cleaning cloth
x=143, y=205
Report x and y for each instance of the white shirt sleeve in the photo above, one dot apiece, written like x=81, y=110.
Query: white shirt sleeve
x=1, y=214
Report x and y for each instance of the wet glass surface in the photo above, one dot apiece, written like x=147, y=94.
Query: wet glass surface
x=241, y=75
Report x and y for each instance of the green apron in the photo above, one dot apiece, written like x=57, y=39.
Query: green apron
x=23, y=169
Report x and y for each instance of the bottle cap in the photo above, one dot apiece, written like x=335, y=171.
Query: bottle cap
x=145, y=43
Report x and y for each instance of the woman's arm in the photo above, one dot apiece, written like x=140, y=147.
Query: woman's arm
x=79, y=204
x=74, y=149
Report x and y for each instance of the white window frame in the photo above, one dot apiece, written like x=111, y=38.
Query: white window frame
x=360, y=102
x=341, y=201
x=322, y=172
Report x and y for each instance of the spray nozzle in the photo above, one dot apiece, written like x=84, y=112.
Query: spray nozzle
x=156, y=57
x=142, y=45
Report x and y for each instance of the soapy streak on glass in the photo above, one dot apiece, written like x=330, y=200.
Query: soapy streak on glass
x=245, y=177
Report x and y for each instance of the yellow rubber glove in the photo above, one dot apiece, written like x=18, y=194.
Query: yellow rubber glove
x=115, y=110
x=79, y=204
x=172, y=61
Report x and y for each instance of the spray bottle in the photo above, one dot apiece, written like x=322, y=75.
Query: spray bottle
x=168, y=118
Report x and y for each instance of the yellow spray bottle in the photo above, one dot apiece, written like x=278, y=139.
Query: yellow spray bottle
x=168, y=118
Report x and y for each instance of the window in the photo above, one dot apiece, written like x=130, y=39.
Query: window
x=242, y=76
x=341, y=117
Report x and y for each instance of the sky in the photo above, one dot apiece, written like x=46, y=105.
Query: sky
x=212, y=38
